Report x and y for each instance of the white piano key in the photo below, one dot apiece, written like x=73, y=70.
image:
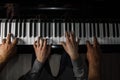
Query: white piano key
x=68, y=25
x=28, y=31
x=111, y=29
x=72, y=27
x=54, y=39
x=38, y=28
x=3, y=32
x=62, y=38
x=82, y=41
x=32, y=38
x=8, y=23
x=13, y=30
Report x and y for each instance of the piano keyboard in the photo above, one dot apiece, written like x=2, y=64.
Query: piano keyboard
x=30, y=29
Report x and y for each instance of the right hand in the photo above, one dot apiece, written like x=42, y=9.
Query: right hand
x=42, y=51
x=93, y=52
x=71, y=46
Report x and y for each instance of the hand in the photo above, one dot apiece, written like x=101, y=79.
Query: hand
x=42, y=51
x=7, y=48
x=94, y=56
x=71, y=46
x=93, y=52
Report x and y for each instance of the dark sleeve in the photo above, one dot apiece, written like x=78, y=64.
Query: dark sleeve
x=34, y=73
x=79, y=69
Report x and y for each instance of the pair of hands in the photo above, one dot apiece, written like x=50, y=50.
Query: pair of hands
x=42, y=51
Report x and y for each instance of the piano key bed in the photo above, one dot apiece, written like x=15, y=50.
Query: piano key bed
x=28, y=30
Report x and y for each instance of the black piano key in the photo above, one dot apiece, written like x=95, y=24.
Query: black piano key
x=10, y=26
x=98, y=30
x=55, y=29
x=84, y=30
x=16, y=29
x=45, y=29
x=70, y=27
x=94, y=32
x=6, y=28
x=74, y=30
x=108, y=32
x=49, y=30
x=90, y=30
x=60, y=29
x=117, y=30
x=41, y=29
x=35, y=28
x=65, y=26
x=24, y=32
x=20, y=32
x=80, y=31
x=104, y=30
x=31, y=28
x=114, y=30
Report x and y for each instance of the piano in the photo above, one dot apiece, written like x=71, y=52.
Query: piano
x=51, y=19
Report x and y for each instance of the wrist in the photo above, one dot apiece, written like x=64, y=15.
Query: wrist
x=40, y=60
x=74, y=56
x=94, y=72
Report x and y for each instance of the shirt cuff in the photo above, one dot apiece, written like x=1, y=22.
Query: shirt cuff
x=36, y=66
x=77, y=63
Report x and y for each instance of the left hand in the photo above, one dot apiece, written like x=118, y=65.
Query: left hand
x=7, y=48
x=71, y=46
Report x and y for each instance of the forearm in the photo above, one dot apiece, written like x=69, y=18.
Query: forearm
x=94, y=72
x=80, y=70
x=34, y=73
x=2, y=63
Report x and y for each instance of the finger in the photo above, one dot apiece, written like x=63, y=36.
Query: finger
x=8, y=38
x=78, y=41
x=34, y=45
x=3, y=41
x=95, y=43
x=41, y=43
x=38, y=42
x=15, y=41
x=72, y=38
x=63, y=44
x=67, y=36
x=45, y=43
x=88, y=45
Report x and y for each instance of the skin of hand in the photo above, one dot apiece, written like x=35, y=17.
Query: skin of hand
x=71, y=46
x=94, y=56
x=7, y=48
x=42, y=50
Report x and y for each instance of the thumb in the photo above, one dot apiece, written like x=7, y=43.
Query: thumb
x=63, y=44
